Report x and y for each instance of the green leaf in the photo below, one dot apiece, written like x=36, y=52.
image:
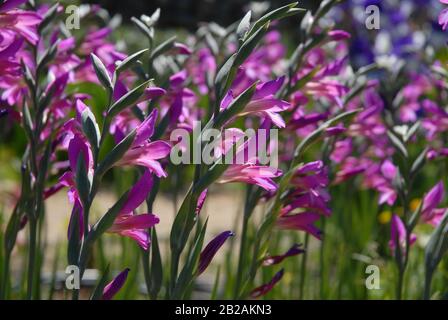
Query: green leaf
x=128, y=99
x=163, y=47
x=152, y=20
x=98, y=292
x=243, y=26
x=115, y=154
x=82, y=181
x=143, y=28
x=436, y=247
x=419, y=162
x=398, y=144
x=130, y=61
x=102, y=73
x=46, y=57
x=277, y=14
x=107, y=219
x=236, y=106
x=27, y=122
x=48, y=17
x=188, y=272
x=90, y=128
x=415, y=217
x=74, y=241
x=249, y=44
x=28, y=75
x=225, y=76
x=156, y=266
x=317, y=134
x=411, y=131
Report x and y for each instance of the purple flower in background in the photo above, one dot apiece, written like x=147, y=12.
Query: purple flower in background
x=111, y=289
x=398, y=234
x=202, y=69
x=180, y=48
x=293, y=251
x=265, y=288
x=430, y=213
x=443, y=16
x=211, y=249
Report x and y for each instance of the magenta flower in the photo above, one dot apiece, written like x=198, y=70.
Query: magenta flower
x=338, y=35
x=180, y=48
x=309, y=190
x=398, y=234
x=202, y=67
x=435, y=121
x=133, y=225
x=265, y=288
x=253, y=174
x=201, y=201
x=145, y=153
x=264, y=103
x=245, y=166
x=301, y=221
x=22, y=22
x=430, y=213
x=443, y=16
x=293, y=251
x=78, y=147
x=211, y=249
x=111, y=289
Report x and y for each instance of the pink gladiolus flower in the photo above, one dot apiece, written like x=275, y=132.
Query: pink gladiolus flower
x=301, y=221
x=398, y=234
x=245, y=166
x=443, y=16
x=293, y=251
x=201, y=201
x=132, y=225
x=180, y=48
x=309, y=195
x=252, y=174
x=202, y=67
x=338, y=35
x=263, y=103
x=430, y=214
x=211, y=249
x=265, y=288
x=22, y=22
x=145, y=153
x=111, y=289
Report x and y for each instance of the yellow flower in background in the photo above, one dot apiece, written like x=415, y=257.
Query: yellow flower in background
x=414, y=204
x=384, y=217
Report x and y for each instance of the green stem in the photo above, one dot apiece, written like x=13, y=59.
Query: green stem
x=241, y=258
x=31, y=257
x=303, y=267
x=400, y=283
x=5, y=276
x=427, y=290
x=322, y=262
